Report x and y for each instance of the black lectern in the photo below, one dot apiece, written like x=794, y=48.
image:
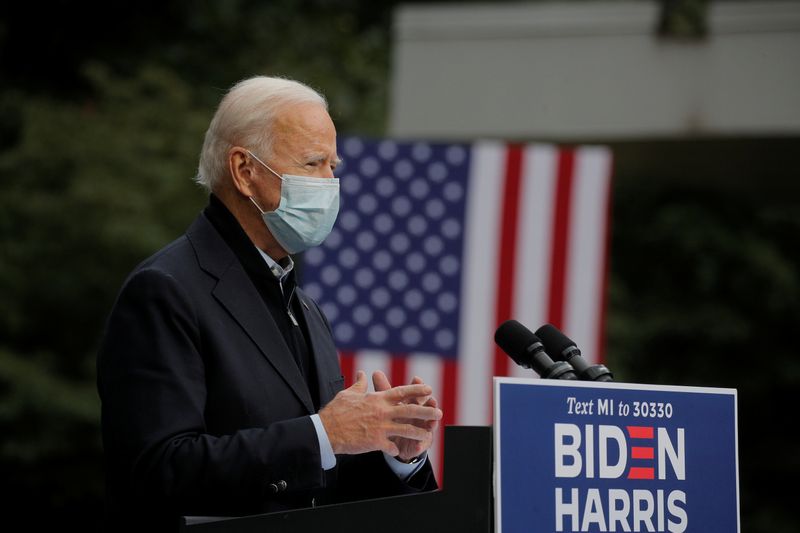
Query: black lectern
x=464, y=502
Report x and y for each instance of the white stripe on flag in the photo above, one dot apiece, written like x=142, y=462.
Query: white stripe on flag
x=478, y=284
x=585, y=281
x=534, y=240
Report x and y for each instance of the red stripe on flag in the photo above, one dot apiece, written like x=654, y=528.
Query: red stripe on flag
x=448, y=407
x=397, y=370
x=449, y=386
x=638, y=472
x=642, y=452
x=640, y=432
x=506, y=252
x=561, y=218
x=347, y=362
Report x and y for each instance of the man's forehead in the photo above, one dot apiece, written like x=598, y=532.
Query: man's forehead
x=304, y=124
x=302, y=118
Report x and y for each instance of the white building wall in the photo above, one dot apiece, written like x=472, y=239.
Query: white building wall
x=596, y=70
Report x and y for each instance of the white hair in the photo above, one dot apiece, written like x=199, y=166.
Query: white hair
x=245, y=117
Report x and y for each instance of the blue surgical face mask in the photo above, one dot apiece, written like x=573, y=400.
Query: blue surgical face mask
x=306, y=212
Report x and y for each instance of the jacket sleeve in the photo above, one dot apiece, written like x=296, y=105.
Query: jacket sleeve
x=368, y=476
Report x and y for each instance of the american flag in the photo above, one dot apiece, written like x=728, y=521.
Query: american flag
x=437, y=244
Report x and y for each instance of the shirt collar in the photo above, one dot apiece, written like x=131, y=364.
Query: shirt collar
x=280, y=271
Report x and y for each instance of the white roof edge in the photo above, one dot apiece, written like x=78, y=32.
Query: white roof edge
x=754, y=17
x=514, y=20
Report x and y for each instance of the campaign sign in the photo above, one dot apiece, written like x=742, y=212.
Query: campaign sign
x=585, y=456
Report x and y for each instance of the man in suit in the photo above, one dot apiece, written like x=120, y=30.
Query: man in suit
x=219, y=380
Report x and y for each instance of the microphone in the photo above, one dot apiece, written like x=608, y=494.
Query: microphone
x=564, y=348
x=527, y=351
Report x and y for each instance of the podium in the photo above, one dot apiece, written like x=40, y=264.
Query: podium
x=464, y=503
x=560, y=456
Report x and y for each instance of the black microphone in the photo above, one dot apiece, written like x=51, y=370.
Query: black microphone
x=527, y=351
x=563, y=348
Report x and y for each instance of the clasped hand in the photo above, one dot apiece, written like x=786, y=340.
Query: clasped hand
x=397, y=420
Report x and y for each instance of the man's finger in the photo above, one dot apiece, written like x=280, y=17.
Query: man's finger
x=390, y=448
x=413, y=411
x=407, y=392
x=431, y=402
x=361, y=382
x=380, y=381
x=408, y=431
x=416, y=380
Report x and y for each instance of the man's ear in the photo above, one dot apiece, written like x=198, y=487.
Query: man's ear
x=241, y=169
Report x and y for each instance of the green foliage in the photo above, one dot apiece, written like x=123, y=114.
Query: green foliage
x=702, y=274
x=89, y=189
x=683, y=19
x=339, y=47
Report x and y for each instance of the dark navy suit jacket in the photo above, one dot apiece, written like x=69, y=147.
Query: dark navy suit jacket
x=204, y=409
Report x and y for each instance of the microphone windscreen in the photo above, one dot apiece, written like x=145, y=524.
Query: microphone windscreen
x=514, y=339
x=555, y=342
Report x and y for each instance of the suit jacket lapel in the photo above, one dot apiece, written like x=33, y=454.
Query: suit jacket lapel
x=322, y=348
x=238, y=295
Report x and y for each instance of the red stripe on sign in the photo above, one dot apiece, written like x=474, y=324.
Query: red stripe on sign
x=558, y=257
x=448, y=407
x=600, y=349
x=347, y=362
x=641, y=473
x=640, y=432
x=641, y=452
x=506, y=252
x=397, y=370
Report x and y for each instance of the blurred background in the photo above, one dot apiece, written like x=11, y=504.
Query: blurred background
x=103, y=108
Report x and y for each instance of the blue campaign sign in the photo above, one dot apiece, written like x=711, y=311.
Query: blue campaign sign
x=585, y=456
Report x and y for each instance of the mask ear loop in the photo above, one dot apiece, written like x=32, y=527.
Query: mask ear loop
x=254, y=156
x=265, y=165
x=257, y=206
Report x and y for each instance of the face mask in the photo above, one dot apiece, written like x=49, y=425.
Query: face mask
x=306, y=212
